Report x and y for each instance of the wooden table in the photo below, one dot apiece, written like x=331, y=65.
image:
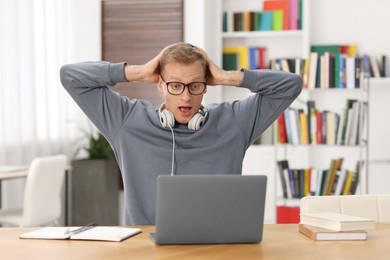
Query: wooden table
x=281, y=241
x=13, y=172
x=9, y=172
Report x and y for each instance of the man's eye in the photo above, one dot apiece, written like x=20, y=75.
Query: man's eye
x=175, y=86
x=196, y=85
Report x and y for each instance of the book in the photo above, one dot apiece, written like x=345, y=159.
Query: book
x=316, y=233
x=340, y=182
x=281, y=8
x=266, y=21
x=335, y=50
x=303, y=123
x=230, y=61
x=312, y=121
x=243, y=53
x=277, y=20
x=312, y=72
x=293, y=9
x=113, y=234
x=283, y=166
x=282, y=129
x=337, y=221
x=332, y=173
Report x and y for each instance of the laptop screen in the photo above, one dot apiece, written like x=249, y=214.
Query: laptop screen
x=204, y=209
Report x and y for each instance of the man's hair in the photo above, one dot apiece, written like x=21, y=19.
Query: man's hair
x=183, y=53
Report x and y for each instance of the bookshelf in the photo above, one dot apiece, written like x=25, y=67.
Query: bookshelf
x=261, y=159
x=285, y=43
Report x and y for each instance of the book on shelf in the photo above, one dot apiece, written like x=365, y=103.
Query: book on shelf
x=281, y=10
x=294, y=15
x=322, y=234
x=335, y=166
x=237, y=57
x=310, y=126
x=266, y=19
x=282, y=133
x=277, y=20
x=283, y=174
x=336, y=221
x=353, y=132
x=90, y=232
x=230, y=61
x=242, y=52
x=274, y=15
x=312, y=121
x=304, y=131
x=337, y=66
x=312, y=181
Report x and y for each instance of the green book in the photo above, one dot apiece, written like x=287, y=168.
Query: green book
x=277, y=20
x=328, y=177
x=335, y=49
x=256, y=21
x=230, y=61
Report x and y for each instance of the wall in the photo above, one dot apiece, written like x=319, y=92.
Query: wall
x=359, y=22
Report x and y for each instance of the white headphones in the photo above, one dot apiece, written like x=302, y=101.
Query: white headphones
x=168, y=120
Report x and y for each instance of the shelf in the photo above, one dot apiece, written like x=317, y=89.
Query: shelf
x=344, y=90
x=330, y=146
x=380, y=80
x=254, y=34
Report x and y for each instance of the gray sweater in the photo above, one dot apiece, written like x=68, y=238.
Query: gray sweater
x=143, y=148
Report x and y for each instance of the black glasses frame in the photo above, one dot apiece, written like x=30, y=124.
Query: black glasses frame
x=185, y=85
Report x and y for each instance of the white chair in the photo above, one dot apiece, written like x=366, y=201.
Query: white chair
x=371, y=206
x=42, y=195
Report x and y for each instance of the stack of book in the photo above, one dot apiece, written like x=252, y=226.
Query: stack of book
x=334, y=226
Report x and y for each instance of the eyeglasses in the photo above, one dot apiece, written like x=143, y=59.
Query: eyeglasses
x=177, y=88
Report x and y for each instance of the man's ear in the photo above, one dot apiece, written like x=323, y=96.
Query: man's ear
x=160, y=85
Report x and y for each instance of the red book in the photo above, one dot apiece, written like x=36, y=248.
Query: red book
x=286, y=215
x=319, y=127
x=262, y=58
x=282, y=129
x=283, y=5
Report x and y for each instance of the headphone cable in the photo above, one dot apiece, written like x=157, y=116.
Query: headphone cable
x=173, y=150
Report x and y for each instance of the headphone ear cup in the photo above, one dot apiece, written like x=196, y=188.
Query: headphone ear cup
x=196, y=122
x=166, y=118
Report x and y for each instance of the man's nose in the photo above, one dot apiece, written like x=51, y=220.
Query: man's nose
x=186, y=95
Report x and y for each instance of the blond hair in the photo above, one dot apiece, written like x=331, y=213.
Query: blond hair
x=183, y=53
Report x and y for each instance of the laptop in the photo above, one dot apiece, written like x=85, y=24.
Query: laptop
x=209, y=209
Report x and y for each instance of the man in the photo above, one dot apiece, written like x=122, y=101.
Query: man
x=182, y=137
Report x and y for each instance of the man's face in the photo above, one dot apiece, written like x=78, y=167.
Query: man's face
x=185, y=105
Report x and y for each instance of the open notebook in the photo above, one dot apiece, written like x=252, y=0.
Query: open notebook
x=115, y=234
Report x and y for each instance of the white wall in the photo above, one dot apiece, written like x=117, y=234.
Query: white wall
x=361, y=22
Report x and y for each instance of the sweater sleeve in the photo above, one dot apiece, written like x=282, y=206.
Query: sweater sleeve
x=273, y=92
x=87, y=83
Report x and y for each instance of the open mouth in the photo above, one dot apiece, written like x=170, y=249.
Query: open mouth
x=185, y=110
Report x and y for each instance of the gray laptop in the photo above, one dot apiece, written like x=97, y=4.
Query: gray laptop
x=209, y=209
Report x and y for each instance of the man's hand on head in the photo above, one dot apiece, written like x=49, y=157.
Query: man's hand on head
x=218, y=76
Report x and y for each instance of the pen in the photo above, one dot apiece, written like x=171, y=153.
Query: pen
x=81, y=229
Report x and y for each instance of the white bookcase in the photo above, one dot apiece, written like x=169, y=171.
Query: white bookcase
x=261, y=159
